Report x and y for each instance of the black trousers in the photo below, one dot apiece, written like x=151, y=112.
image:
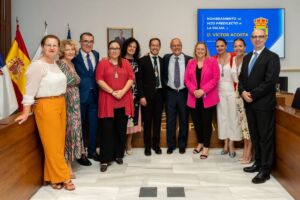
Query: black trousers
x=113, y=136
x=152, y=114
x=176, y=105
x=262, y=131
x=202, y=120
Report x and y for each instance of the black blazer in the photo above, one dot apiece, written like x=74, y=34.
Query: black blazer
x=86, y=80
x=262, y=80
x=166, y=61
x=146, y=77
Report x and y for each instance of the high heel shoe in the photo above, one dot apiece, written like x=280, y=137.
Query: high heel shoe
x=224, y=152
x=56, y=186
x=196, y=151
x=69, y=185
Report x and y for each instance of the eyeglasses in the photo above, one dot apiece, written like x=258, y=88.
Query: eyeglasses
x=88, y=42
x=51, y=45
x=258, y=36
x=114, y=49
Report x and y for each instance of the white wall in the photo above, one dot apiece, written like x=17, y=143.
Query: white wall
x=149, y=18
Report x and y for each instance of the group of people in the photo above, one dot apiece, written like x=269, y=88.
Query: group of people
x=74, y=97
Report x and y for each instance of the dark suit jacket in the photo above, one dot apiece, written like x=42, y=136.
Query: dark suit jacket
x=166, y=61
x=262, y=80
x=146, y=77
x=86, y=80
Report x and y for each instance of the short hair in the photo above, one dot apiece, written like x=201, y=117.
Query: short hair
x=173, y=41
x=43, y=41
x=63, y=45
x=125, y=46
x=153, y=39
x=239, y=39
x=207, y=51
x=86, y=33
x=221, y=39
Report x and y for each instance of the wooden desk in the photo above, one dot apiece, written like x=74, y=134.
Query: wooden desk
x=288, y=149
x=21, y=158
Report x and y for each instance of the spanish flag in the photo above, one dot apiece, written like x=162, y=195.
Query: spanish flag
x=17, y=62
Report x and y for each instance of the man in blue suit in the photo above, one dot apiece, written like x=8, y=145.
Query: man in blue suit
x=85, y=64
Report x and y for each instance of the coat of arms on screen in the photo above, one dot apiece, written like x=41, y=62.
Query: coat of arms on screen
x=261, y=23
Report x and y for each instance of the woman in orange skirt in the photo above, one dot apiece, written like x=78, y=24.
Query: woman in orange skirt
x=45, y=87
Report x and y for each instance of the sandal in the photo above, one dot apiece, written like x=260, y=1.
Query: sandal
x=224, y=152
x=56, y=186
x=196, y=151
x=202, y=156
x=69, y=185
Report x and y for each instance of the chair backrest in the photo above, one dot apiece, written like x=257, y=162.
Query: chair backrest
x=283, y=83
x=296, y=101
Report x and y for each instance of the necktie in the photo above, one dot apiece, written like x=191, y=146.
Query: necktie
x=176, y=73
x=90, y=65
x=251, y=64
x=156, y=71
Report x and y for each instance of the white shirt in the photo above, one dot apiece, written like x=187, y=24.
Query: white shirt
x=171, y=71
x=43, y=80
x=92, y=57
x=158, y=66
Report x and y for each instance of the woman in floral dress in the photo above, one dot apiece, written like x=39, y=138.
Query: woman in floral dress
x=73, y=146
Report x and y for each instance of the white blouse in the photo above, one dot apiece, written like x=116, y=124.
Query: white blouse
x=43, y=80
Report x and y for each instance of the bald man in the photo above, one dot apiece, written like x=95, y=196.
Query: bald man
x=257, y=80
x=176, y=94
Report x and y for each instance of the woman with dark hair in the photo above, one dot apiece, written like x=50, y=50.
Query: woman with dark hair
x=131, y=52
x=228, y=127
x=45, y=89
x=201, y=78
x=115, y=77
x=239, y=47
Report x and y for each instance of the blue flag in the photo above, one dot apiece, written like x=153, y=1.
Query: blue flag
x=69, y=33
x=1, y=61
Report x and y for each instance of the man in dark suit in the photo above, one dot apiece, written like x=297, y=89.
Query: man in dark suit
x=150, y=88
x=85, y=64
x=257, y=80
x=120, y=38
x=174, y=69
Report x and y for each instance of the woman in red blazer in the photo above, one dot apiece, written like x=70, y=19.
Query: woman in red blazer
x=201, y=78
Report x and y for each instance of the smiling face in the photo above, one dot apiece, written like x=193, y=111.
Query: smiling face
x=258, y=39
x=114, y=50
x=50, y=48
x=154, y=47
x=131, y=48
x=239, y=48
x=200, y=51
x=221, y=47
x=69, y=52
x=176, y=46
x=87, y=43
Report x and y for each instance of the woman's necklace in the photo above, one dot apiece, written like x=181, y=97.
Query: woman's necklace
x=115, y=69
x=222, y=64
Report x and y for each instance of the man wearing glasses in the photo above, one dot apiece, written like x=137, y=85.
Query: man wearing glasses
x=85, y=64
x=257, y=80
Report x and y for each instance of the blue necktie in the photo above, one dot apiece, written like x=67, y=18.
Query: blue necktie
x=156, y=72
x=90, y=65
x=251, y=64
x=176, y=73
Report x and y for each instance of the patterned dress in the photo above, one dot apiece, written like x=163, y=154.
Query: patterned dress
x=134, y=124
x=73, y=146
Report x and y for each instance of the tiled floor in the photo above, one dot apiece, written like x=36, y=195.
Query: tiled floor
x=218, y=177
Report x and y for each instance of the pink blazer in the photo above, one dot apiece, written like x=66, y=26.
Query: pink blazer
x=209, y=82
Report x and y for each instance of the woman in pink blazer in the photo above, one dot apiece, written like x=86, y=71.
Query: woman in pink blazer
x=201, y=78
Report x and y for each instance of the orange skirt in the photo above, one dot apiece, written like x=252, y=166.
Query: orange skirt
x=50, y=116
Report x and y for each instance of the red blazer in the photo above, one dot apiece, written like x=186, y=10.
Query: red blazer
x=209, y=82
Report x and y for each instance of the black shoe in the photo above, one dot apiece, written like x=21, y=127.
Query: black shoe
x=170, y=150
x=157, y=150
x=147, y=152
x=84, y=161
x=103, y=167
x=261, y=177
x=95, y=157
x=251, y=169
x=119, y=161
x=181, y=150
